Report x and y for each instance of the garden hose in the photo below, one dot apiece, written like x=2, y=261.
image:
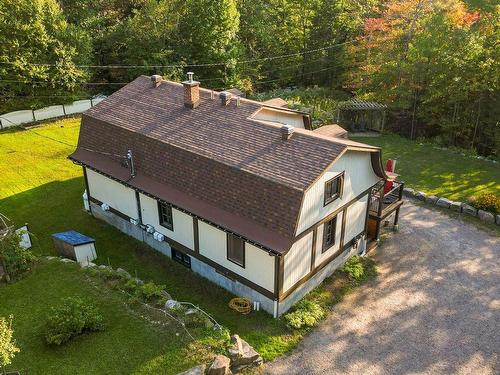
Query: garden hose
x=241, y=305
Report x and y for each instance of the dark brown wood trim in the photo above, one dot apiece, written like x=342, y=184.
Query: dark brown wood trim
x=222, y=270
x=256, y=244
x=368, y=202
x=184, y=249
x=394, y=206
x=281, y=274
x=86, y=179
x=139, y=209
x=112, y=210
x=196, y=235
x=307, y=122
x=334, y=213
x=319, y=268
x=342, y=230
x=313, y=249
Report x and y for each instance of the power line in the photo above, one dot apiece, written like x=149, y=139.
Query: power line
x=269, y=58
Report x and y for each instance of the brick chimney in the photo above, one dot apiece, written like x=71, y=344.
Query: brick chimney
x=191, y=92
x=286, y=132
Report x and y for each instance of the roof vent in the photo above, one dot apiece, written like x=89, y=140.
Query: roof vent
x=225, y=97
x=286, y=132
x=156, y=79
x=191, y=92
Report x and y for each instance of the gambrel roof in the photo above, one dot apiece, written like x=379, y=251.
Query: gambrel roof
x=214, y=161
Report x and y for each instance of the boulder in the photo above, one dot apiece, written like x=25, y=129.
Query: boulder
x=198, y=370
x=456, y=206
x=243, y=355
x=421, y=195
x=443, y=202
x=88, y=265
x=497, y=220
x=469, y=210
x=66, y=260
x=486, y=216
x=103, y=267
x=432, y=199
x=124, y=273
x=220, y=366
x=409, y=192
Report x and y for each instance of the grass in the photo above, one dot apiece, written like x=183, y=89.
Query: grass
x=438, y=172
x=42, y=188
x=129, y=344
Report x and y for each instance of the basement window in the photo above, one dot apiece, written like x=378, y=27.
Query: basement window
x=329, y=229
x=236, y=249
x=334, y=188
x=165, y=215
x=182, y=258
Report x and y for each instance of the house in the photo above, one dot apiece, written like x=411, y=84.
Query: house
x=243, y=193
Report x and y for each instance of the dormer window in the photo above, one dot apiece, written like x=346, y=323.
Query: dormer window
x=333, y=188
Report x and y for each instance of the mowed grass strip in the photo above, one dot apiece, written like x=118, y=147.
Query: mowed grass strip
x=438, y=172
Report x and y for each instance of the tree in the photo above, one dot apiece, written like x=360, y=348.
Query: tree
x=8, y=347
x=39, y=51
x=208, y=34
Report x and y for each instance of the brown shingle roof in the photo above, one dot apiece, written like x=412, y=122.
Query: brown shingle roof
x=214, y=154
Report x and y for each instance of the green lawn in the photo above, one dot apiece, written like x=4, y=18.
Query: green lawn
x=129, y=344
x=438, y=172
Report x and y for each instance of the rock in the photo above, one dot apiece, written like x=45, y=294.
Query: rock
x=171, y=304
x=191, y=312
x=456, y=206
x=220, y=366
x=469, y=210
x=88, y=265
x=409, y=192
x=497, y=219
x=431, y=199
x=198, y=370
x=486, y=216
x=50, y=258
x=66, y=260
x=420, y=195
x=124, y=273
x=243, y=355
x=443, y=202
x=103, y=267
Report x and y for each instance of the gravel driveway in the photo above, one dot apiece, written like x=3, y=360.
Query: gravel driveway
x=434, y=309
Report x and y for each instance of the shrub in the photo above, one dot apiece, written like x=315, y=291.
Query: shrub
x=359, y=269
x=486, y=202
x=72, y=318
x=305, y=314
x=13, y=256
x=152, y=293
x=8, y=347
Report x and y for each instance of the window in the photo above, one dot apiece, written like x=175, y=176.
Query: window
x=333, y=188
x=165, y=215
x=329, y=229
x=236, y=249
x=181, y=258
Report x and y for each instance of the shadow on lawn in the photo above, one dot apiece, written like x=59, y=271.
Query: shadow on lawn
x=58, y=206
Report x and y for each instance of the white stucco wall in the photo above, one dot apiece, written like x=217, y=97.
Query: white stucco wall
x=116, y=195
x=283, y=117
x=355, y=219
x=183, y=223
x=359, y=176
x=259, y=266
x=297, y=262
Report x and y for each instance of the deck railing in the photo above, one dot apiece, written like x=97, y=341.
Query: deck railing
x=381, y=202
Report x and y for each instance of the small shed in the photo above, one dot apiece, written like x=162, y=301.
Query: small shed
x=361, y=115
x=75, y=246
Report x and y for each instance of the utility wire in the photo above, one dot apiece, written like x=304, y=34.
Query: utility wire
x=269, y=58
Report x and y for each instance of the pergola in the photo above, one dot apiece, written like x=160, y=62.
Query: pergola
x=358, y=114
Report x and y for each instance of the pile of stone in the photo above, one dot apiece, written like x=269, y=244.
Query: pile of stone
x=241, y=357
x=460, y=207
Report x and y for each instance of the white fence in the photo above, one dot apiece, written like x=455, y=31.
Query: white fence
x=53, y=111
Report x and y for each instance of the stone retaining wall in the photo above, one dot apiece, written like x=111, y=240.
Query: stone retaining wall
x=460, y=207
